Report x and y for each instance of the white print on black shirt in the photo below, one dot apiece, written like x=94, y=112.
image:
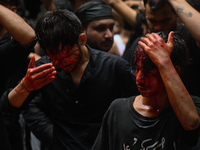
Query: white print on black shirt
x=147, y=144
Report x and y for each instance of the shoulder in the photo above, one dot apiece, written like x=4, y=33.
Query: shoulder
x=121, y=103
x=118, y=106
x=196, y=101
x=102, y=56
x=43, y=60
x=135, y=43
x=6, y=38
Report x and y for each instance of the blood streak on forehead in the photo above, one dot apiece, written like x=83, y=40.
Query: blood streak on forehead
x=139, y=55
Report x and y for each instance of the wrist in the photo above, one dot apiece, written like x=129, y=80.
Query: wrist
x=24, y=86
x=21, y=90
x=18, y=95
x=165, y=64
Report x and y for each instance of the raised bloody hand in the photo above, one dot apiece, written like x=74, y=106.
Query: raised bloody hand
x=37, y=77
x=155, y=47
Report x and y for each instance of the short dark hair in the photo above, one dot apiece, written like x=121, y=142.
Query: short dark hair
x=9, y=2
x=57, y=27
x=179, y=56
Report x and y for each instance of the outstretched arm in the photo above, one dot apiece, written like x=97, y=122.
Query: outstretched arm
x=189, y=16
x=181, y=102
x=36, y=77
x=16, y=26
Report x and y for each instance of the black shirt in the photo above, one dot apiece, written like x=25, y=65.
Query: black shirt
x=124, y=128
x=77, y=113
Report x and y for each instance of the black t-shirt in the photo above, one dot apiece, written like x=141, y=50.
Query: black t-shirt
x=77, y=113
x=124, y=128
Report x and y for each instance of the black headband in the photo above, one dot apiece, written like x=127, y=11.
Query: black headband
x=96, y=13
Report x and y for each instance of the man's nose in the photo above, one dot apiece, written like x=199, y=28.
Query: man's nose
x=108, y=34
x=140, y=76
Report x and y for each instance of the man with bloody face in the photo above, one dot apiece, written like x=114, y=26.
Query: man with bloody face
x=169, y=15
x=87, y=81
x=164, y=116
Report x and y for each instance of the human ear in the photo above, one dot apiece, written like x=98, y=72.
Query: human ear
x=82, y=39
x=14, y=8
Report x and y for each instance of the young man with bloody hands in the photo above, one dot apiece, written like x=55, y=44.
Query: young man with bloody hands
x=165, y=116
x=67, y=113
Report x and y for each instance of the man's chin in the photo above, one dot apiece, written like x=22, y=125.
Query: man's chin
x=106, y=48
x=102, y=48
x=67, y=69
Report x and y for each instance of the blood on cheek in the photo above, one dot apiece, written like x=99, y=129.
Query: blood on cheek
x=68, y=59
x=154, y=78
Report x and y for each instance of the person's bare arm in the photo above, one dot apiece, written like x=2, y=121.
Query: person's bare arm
x=189, y=16
x=124, y=10
x=36, y=77
x=181, y=102
x=16, y=26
